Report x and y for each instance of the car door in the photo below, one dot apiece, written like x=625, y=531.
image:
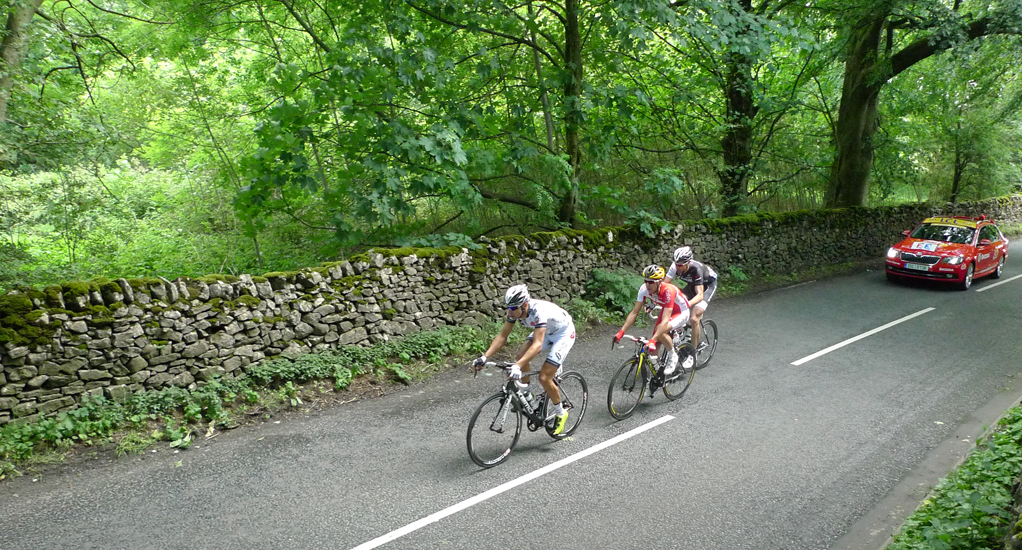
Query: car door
x=986, y=250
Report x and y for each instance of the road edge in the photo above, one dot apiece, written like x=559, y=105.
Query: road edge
x=875, y=529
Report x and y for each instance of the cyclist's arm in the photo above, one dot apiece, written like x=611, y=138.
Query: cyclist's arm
x=631, y=316
x=698, y=297
x=671, y=273
x=500, y=339
x=537, y=344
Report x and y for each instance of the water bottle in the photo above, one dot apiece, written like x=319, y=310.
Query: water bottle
x=677, y=340
x=530, y=399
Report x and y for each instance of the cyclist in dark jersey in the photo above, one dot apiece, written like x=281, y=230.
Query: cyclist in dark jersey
x=700, y=286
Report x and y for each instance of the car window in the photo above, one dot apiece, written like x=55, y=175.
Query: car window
x=944, y=233
x=990, y=232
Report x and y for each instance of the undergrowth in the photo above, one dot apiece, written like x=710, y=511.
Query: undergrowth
x=970, y=509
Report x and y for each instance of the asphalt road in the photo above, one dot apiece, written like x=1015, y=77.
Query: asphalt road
x=759, y=454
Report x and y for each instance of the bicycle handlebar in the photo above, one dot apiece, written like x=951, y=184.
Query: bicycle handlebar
x=503, y=365
x=638, y=339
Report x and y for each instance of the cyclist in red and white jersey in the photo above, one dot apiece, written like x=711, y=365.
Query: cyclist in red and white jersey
x=674, y=313
x=701, y=285
x=553, y=331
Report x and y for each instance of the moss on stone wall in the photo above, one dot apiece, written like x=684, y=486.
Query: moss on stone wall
x=14, y=304
x=247, y=301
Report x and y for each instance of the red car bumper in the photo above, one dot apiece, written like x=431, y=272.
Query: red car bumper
x=936, y=272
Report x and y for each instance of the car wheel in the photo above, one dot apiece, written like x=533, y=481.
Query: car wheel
x=1000, y=267
x=967, y=280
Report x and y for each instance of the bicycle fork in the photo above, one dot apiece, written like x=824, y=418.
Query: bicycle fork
x=498, y=421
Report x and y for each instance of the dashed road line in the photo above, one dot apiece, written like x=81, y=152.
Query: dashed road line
x=808, y=358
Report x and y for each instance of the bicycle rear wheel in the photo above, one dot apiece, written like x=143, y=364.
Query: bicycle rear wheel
x=575, y=398
x=677, y=383
x=493, y=431
x=707, y=341
x=627, y=388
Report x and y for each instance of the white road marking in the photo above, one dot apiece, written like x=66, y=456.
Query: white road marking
x=999, y=283
x=380, y=541
x=808, y=358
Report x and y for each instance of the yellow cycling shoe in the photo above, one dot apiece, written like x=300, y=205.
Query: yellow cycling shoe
x=559, y=422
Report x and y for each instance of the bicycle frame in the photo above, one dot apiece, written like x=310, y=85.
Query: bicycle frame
x=514, y=396
x=642, y=354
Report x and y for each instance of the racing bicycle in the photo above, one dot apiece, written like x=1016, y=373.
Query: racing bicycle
x=639, y=373
x=496, y=424
x=707, y=340
x=707, y=336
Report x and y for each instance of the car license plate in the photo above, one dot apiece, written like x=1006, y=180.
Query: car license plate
x=917, y=267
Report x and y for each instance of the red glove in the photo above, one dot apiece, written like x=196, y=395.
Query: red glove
x=651, y=346
x=620, y=333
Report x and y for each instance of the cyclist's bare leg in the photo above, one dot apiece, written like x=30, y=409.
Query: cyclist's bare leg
x=546, y=378
x=697, y=314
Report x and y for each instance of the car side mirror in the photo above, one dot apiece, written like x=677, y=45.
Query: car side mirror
x=984, y=242
x=906, y=232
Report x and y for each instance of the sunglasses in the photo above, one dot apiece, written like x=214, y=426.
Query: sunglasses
x=652, y=281
x=512, y=308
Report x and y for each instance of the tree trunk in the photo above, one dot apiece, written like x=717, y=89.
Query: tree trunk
x=737, y=140
x=13, y=46
x=956, y=179
x=740, y=111
x=961, y=161
x=573, y=118
x=857, y=118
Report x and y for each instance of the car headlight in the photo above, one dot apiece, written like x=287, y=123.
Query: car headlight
x=952, y=260
x=892, y=253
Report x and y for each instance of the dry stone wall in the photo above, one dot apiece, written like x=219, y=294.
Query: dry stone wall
x=123, y=336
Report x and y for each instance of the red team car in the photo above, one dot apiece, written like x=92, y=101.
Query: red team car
x=953, y=250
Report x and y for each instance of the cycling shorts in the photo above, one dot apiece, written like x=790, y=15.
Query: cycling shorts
x=708, y=292
x=557, y=346
x=677, y=320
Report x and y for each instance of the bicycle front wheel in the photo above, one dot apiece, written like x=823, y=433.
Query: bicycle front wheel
x=677, y=383
x=707, y=342
x=627, y=388
x=575, y=398
x=493, y=431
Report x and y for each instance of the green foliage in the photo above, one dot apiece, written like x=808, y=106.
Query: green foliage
x=614, y=291
x=584, y=313
x=732, y=281
x=439, y=241
x=289, y=393
x=971, y=508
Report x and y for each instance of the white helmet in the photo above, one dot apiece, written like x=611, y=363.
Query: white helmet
x=683, y=255
x=516, y=296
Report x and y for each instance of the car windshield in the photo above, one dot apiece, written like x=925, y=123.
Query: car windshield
x=945, y=233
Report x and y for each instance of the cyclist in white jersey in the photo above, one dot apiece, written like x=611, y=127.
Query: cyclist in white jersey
x=553, y=332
